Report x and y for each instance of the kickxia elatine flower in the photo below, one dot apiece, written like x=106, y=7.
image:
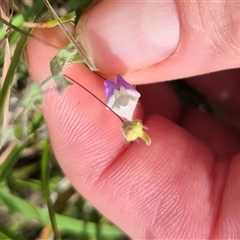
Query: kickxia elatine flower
x=122, y=97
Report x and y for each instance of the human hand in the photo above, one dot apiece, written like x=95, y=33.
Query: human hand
x=186, y=184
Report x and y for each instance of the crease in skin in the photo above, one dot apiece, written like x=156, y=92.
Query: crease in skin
x=125, y=148
x=221, y=191
x=221, y=27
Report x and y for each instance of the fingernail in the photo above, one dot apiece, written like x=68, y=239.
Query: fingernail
x=129, y=35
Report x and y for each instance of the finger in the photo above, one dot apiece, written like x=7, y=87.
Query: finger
x=160, y=99
x=142, y=189
x=74, y=101
x=227, y=224
x=171, y=39
x=221, y=137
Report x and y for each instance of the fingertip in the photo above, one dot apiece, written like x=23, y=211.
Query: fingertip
x=153, y=26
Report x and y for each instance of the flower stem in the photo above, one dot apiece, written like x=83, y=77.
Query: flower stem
x=94, y=96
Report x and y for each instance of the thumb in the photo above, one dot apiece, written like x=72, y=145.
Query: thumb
x=166, y=39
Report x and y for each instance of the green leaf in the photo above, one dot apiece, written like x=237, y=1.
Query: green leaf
x=67, y=18
x=65, y=56
x=10, y=75
x=11, y=160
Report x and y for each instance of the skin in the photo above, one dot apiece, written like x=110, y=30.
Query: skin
x=186, y=185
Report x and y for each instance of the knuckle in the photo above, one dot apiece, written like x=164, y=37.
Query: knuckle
x=222, y=26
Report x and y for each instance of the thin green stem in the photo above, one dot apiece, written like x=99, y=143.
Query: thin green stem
x=70, y=37
x=45, y=181
x=79, y=84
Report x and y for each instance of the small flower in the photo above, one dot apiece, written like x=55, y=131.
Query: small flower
x=122, y=97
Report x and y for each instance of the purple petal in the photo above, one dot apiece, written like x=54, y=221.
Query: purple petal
x=122, y=82
x=110, y=86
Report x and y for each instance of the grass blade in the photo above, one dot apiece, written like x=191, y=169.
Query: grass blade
x=45, y=181
x=10, y=75
x=11, y=160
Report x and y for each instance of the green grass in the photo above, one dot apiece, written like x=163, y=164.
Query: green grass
x=35, y=196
